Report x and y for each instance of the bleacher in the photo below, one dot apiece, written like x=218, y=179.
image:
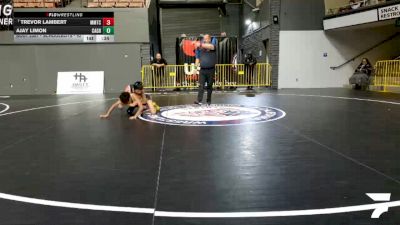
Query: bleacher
x=90, y=3
x=39, y=3
x=354, y=5
x=116, y=4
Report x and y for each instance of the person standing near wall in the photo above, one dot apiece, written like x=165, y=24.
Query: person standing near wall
x=159, y=64
x=224, y=47
x=249, y=65
x=208, y=59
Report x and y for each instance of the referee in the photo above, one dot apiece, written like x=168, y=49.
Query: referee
x=208, y=59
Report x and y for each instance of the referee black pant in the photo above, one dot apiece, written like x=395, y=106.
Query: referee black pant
x=206, y=75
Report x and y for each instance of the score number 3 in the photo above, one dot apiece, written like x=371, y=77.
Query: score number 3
x=108, y=21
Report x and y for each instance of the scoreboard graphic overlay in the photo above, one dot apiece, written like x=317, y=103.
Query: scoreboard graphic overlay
x=6, y=14
x=63, y=27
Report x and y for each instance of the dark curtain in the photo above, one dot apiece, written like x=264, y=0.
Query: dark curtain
x=227, y=49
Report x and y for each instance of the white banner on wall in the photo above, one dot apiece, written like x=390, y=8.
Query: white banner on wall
x=389, y=12
x=80, y=82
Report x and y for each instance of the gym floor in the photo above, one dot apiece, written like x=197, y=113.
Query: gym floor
x=59, y=162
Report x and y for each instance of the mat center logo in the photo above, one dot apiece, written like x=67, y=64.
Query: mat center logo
x=213, y=115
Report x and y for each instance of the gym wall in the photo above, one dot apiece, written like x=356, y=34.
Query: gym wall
x=302, y=60
x=307, y=52
x=154, y=28
x=256, y=37
x=254, y=34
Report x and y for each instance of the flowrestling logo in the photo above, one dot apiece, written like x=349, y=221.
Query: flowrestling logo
x=213, y=115
x=6, y=14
